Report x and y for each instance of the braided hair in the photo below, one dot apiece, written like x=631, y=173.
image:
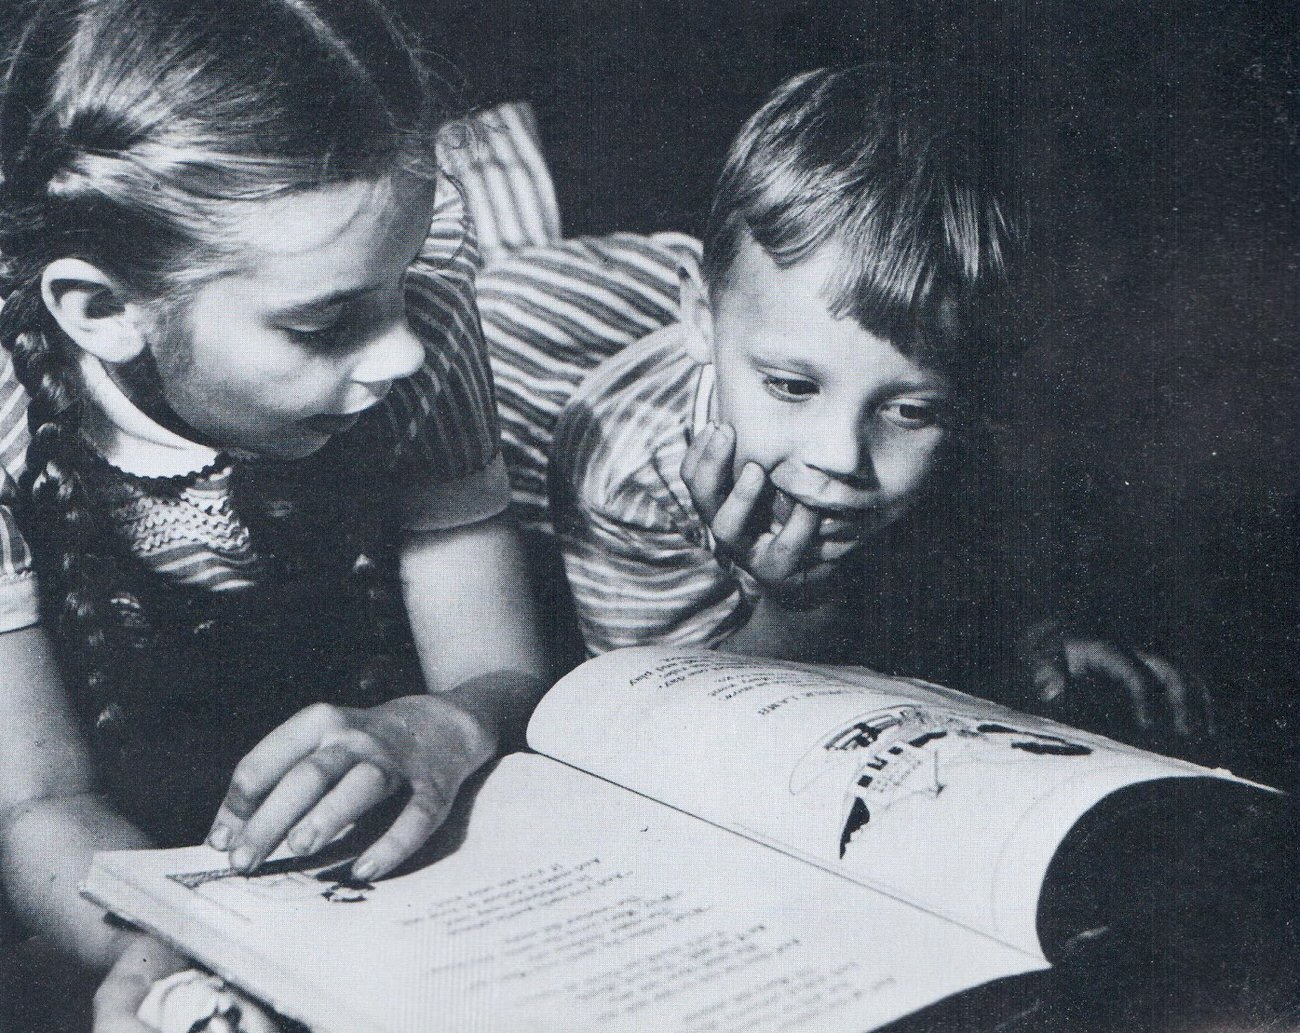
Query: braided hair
x=133, y=134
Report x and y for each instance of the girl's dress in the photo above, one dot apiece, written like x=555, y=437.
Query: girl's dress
x=245, y=590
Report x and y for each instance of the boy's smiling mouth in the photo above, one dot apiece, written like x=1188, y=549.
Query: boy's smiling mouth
x=837, y=522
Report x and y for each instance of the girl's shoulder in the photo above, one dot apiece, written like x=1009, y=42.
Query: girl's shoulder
x=14, y=434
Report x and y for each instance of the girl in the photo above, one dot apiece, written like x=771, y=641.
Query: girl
x=253, y=501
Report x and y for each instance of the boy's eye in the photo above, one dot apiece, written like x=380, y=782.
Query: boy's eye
x=789, y=389
x=911, y=413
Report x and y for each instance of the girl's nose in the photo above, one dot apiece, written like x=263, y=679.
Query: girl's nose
x=390, y=355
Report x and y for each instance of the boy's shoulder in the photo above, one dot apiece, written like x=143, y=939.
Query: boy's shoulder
x=627, y=427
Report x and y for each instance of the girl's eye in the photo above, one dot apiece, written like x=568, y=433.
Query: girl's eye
x=325, y=338
x=911, y=414
x=789, y=389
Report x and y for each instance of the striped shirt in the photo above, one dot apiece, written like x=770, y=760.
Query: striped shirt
x=637, y=553
x=551, y=313
x=168, y=499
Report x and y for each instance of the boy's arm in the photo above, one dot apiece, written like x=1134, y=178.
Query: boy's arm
x=51, y=820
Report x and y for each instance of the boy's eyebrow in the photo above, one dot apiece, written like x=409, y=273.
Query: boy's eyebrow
x=791, y=363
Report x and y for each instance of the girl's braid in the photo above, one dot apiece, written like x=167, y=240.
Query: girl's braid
x=64, y=531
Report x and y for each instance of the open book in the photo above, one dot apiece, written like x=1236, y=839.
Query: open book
x=703, y=844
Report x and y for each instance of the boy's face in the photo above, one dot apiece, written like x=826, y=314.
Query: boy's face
x=280, y=355
x=838, y=417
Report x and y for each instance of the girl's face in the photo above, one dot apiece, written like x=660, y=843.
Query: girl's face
x=311, y=330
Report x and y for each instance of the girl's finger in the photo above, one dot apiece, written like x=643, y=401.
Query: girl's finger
x=418, y=820
x=128, y=982
x=301, y=788
x=266, y=764
x=786, y=550
x=363, y=787
x=710, y=475
x=733, y=516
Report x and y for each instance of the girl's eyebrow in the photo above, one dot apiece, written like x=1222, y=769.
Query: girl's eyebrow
x=314, y=306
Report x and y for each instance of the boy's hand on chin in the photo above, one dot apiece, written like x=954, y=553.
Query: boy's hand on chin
x=1128, y=693
x=771, y=536
x=327, y=765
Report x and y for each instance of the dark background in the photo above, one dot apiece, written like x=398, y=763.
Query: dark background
x=1157, y=408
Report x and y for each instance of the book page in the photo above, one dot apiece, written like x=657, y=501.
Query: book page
x=939, y=798
x=569, y=905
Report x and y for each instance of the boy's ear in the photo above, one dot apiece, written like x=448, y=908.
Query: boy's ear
x=695, y=313
x=91, y=308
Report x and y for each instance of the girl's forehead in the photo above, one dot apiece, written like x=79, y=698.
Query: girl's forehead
x=338, y=239
x=352, y=212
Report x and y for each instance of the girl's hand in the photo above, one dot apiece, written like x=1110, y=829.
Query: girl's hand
x=1087, y=679
x=142, y=961
x=780, y=555
x=326, y=766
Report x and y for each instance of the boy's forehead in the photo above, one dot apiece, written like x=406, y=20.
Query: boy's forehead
x=797, y=305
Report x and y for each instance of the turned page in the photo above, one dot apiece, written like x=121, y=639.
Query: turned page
x=941, y=799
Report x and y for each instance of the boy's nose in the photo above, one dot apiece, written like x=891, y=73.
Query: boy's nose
x=843, y=453
x=391, y=355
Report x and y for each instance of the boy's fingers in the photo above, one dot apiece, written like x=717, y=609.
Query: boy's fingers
x=1174, y=692
x=1205, y=700
x=1128, y=673
x=733, y=516
x=695, y=451
x=835, y=549
x=709, y=473
x=418, y=820
x=785, y=552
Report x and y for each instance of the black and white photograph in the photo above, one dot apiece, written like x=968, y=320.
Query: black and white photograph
x=559, y=516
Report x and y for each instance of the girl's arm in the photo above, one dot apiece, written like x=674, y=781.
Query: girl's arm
x=51, y=820
x=473, y=622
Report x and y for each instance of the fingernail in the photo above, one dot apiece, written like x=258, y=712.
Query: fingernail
x=752, y=472
x=365, y=869
x=242, y=858
x=302, y=841
x=219, y=837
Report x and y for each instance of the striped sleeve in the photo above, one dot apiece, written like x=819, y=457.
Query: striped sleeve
x=636, y=584
x=635, y=550
x=496, y=157
x=18, y=602
x=551, y=315
x=445, y=414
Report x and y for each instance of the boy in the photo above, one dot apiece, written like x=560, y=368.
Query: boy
x=747, y=477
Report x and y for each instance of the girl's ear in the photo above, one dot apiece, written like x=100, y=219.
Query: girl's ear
x=695, y=313
x=91, y=308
